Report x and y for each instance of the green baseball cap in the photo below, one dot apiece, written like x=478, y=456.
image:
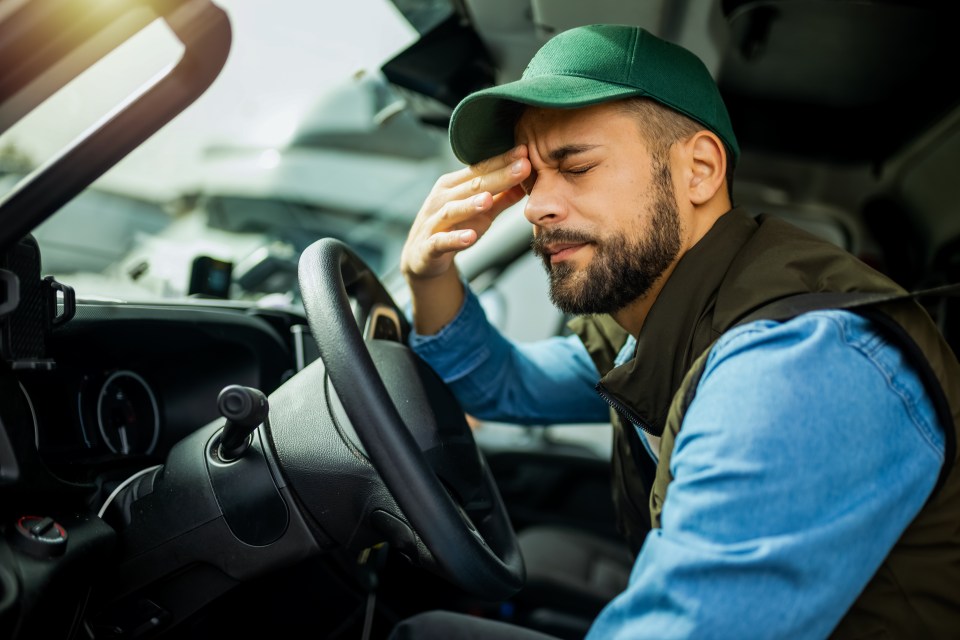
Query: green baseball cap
x=589, y=65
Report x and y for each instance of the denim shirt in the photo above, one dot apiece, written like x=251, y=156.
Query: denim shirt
x=808, y=449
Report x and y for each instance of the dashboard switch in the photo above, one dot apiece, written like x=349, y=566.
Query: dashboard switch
x=40, y=537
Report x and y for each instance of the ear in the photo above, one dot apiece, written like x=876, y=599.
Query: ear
x=706, y=162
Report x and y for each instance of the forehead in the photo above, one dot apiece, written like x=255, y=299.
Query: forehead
x=601, y=124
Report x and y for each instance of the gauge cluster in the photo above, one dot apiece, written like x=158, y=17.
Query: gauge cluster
x=121, y=408
x=130, y=382
x=116, y=412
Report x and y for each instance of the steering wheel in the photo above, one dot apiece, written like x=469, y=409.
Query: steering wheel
x=424, y=451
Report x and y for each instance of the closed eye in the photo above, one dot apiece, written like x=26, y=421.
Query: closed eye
x=578, y=171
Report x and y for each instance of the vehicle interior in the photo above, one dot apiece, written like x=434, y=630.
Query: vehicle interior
x=236, y=438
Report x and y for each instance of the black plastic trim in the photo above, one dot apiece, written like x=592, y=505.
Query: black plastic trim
x=205, y=32
x=249, y=500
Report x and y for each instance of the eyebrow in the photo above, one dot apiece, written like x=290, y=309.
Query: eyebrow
x=562, y=153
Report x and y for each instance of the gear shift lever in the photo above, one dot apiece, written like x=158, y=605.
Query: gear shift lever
x=244, y=409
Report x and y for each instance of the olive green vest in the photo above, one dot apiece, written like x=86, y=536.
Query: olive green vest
x=735, y=273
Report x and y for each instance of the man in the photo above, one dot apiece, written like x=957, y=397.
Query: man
x=807, y=448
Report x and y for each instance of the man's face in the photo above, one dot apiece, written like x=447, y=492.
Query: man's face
x=605, y=214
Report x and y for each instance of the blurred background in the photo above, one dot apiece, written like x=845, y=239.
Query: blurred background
x=299, y=137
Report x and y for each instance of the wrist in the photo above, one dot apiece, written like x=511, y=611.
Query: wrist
x=435, y=301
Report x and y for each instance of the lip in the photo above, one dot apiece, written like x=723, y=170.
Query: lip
x=563, y=251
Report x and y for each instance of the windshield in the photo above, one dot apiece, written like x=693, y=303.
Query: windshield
x=299, y=138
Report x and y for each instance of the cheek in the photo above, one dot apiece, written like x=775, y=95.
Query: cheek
x=605, y=195
x=629, y=197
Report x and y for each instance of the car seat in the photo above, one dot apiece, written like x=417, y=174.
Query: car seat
x=571, y=576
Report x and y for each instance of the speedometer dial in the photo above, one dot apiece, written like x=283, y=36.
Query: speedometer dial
x=127, y=414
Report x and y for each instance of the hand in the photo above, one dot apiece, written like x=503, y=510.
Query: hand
x=459, y=210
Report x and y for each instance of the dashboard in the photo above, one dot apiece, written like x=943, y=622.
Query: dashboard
x=108, y=395
x=132, y=380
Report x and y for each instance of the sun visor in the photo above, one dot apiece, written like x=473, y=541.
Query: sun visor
x=445, y=65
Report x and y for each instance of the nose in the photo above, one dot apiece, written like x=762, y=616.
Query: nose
x=544, y=204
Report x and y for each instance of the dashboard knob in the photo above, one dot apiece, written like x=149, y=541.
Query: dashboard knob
x=40, y=537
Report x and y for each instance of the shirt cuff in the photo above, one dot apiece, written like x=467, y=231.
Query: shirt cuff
x=466, y=334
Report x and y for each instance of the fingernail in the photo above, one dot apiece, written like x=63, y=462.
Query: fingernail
x=516, y=167
x=478, y=201
x=464, y=236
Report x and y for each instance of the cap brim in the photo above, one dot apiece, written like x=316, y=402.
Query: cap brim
x=480, y=130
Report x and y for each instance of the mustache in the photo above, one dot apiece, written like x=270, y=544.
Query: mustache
x=545, y=238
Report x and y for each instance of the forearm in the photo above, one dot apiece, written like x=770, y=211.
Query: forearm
x=435, y=301
x=544, y=382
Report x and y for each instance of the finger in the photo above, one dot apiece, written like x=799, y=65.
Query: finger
x=494, y=182
x=457, y=212
x=506, y=199
x=480, y=209
x=489, y=165
x=499, y=203
x=442, y=243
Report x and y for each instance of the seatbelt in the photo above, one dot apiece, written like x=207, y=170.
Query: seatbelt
x=795, y=305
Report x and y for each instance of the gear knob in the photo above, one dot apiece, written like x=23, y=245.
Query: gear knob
x=244, y=409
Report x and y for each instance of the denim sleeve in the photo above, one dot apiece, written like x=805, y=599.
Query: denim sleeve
x=808, y=449
x=546, y=382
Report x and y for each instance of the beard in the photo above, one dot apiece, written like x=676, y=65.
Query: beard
x=625, y=266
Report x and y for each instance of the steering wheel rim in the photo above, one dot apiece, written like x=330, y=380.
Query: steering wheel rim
x=483, y=558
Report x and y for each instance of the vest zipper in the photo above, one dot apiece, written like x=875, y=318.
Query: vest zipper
x=624, y=410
